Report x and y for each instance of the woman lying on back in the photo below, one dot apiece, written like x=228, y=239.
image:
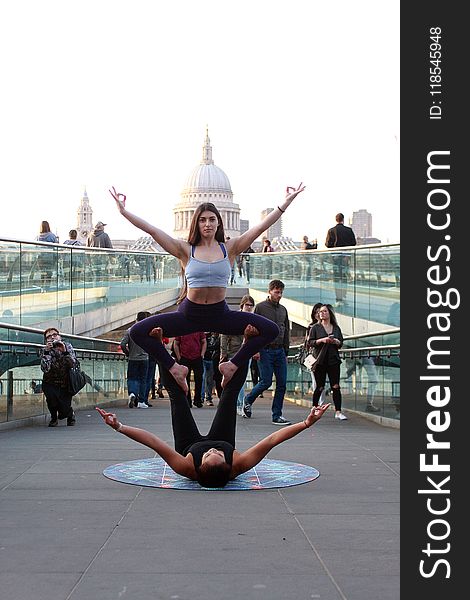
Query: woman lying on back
x=211, y=459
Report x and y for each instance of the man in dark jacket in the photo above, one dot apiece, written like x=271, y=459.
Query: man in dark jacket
x=273, y=357
x=98, y=238
x=339, y=236
x=99, y=261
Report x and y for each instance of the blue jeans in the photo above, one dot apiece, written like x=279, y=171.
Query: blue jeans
x=241, y=393
x=149, y=384
x=207, y=379
x=137, y=378
x=273, y=361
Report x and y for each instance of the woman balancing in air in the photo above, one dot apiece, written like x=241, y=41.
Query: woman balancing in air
x=211, y=459
x=207, y=260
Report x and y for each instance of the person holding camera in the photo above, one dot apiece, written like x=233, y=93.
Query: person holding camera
x=327, y=331
x=56, y=361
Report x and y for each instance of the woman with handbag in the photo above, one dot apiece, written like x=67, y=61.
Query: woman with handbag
x=325, y=340
x=57, y=359
x=306, y=349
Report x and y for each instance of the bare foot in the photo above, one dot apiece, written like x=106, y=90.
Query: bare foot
x=228, y=370
x=250, y=331
x=179, y=373
x=157, y=332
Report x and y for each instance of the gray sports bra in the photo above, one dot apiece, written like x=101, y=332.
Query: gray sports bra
x=201, y=274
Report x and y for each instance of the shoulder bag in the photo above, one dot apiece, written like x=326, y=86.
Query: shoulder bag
x=77, y=379
x=311, y=362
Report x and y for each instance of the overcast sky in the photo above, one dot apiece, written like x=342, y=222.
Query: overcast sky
x=110, y=92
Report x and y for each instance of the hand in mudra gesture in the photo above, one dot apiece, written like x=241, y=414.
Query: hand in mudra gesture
x=315, y=414
x=120, y=198
x=292, y=192
x=109, y=418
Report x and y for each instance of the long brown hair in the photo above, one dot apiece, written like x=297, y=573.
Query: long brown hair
x=333, y=320
x=194, y=236
x=45, y=227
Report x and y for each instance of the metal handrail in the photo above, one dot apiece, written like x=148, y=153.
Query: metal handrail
x=51, y=244
x=370, y=348
x=41, y=331
x=106, y=354
x=359, y=336
x=80, y=248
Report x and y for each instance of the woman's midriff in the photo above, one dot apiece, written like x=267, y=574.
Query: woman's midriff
x=206, y=295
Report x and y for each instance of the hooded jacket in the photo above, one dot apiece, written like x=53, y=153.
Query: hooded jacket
x=99, y=239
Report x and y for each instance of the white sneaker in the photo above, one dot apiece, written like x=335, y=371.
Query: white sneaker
x=340, y=416
x=142, y=405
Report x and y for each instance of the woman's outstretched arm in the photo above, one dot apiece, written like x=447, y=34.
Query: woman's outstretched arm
x=251, y=457
x=177, y=248
x=239, y=244
x=179, y=464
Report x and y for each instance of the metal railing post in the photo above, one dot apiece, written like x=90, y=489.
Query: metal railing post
x=9, y=395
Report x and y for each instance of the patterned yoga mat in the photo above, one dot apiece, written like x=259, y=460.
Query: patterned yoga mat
x=268, y=474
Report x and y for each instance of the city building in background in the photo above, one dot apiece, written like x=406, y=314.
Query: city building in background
x=244, y=225
x=367, y=240
x=146, y=244
x=206, y=183
x=361, y=223
x=275, y=231
x=284, y=244
x=84, y=219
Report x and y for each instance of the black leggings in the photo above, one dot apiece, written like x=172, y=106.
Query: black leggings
x=191, y=318
x=333, y=372
x=185, y=430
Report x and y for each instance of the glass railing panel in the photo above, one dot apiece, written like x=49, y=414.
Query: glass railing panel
x=105, y=380
x=10, y=282
x=372, y=385
x=35, y=336
x=386, y=338
x=378, y=296
x=21, y=380
x=39, y=277
x=24, y=386
x=10, y=254
x=362, y=282
x=74, y=272
x=370, y=377
x=46, y=282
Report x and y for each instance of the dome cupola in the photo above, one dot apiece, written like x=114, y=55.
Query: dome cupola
x=207, y=183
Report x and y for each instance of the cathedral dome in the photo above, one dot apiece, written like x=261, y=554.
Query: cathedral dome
x=207, y=178
x=206, y=183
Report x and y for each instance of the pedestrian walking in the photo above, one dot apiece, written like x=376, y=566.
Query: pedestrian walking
x=273, y=357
